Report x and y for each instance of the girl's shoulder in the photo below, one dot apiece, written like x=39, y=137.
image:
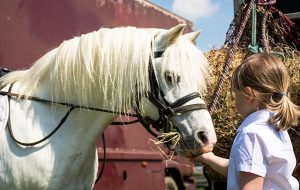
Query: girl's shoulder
x=266, y=136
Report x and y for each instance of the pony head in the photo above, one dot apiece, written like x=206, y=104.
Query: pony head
x=179, y=74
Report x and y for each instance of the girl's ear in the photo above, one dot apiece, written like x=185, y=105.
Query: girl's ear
x=251, y=94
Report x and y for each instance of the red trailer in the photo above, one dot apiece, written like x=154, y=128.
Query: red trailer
x=30, y=28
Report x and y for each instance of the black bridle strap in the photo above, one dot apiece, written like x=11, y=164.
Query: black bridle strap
x=124, y=122
x=104, y=159
x=185, y=99
x=154, y=86
x=187, y=108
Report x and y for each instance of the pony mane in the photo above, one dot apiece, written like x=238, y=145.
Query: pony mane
x=109, y=65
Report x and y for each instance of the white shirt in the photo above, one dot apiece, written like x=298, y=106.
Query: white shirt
x=261, y=149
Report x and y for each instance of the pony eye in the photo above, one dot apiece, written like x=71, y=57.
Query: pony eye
x=172, y=77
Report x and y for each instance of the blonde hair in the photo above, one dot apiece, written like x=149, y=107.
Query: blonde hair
x=267, y=74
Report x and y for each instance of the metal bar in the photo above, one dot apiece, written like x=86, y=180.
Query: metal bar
x=295, y=15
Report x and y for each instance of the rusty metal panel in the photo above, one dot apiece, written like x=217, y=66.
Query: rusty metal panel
x=131, y=175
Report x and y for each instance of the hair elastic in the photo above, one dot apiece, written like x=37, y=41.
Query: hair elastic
x=282, y=94
x=279, y=94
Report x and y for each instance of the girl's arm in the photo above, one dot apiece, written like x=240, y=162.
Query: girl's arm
x=250, y=181
x=217, y=163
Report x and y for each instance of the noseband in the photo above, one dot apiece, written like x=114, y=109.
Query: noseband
x=166, y=109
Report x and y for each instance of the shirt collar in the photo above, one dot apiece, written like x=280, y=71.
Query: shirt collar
x=257, y=117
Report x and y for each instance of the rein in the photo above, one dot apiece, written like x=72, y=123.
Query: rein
x=23, y=97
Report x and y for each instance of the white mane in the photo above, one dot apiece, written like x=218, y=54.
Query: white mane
x=111, y=63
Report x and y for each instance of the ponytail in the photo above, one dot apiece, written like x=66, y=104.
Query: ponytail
x=286, y=112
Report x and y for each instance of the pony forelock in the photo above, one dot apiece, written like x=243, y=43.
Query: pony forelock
x=190, y=62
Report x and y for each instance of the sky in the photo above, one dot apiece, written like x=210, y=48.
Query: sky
x=213, y=17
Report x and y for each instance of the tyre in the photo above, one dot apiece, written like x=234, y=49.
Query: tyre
x=170, y=184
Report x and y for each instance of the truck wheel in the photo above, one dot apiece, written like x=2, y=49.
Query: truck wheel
x=170, y=184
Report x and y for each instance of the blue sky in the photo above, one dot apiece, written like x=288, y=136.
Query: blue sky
x=211, y=16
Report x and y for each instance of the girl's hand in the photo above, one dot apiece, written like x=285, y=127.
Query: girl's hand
x=203, y=158
x=217, y=163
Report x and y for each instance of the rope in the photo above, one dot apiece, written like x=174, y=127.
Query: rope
x=265, y=41
x=279, y=54
x=227, y=65
x=266, y=3
x=254, y=47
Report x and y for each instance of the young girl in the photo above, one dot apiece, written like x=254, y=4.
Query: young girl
x=262, y=155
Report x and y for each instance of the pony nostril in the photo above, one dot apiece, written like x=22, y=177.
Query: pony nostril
x=202, y=136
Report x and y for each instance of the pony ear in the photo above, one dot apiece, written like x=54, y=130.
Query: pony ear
x=171, y=35
x=193, y=36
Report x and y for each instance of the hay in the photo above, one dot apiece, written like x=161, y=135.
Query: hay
x=171, y=138
x=225, y=118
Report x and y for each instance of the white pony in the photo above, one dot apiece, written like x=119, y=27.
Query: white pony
x=107, y=69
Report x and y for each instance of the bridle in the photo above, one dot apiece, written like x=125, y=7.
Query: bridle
x=166, y=110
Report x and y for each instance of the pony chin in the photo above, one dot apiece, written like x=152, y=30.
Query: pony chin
x=182, y=150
